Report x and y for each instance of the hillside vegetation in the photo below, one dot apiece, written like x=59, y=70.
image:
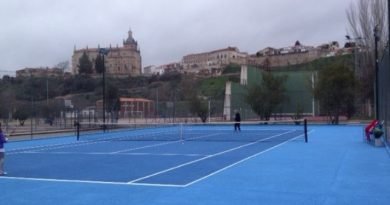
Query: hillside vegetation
x=43, y=95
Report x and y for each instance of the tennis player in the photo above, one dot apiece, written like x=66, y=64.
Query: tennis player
x=237, y=120
x=3, y=140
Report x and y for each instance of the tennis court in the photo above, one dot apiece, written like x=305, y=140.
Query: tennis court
x=158, y=155
x=200, y=165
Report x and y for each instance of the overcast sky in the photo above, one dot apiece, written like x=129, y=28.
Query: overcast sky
x=36, y=33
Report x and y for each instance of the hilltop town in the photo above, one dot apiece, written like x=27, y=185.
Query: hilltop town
x=132, y=91
x=126, y=60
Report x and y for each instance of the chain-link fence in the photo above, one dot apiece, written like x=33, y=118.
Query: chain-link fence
x=384, y=93
x=36, y=121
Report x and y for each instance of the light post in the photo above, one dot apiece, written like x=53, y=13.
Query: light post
x=47, y=86
x=32, y=107
x=376, y=94
x=209, y=111
x=209, y=107
x=157, y=115
x=388, y=46
x=103, y=52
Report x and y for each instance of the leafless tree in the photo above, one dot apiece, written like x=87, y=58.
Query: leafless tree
x=63, y=65
x=364, y=16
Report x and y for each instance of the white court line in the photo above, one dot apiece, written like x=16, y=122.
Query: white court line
x=201, y=159
x=159, y=144
x=245, y=159
x=23, y=149
x=51, y=147
x=88, y=181
x=78, y=144
x=143, y=184
x=167, y=154
x=125, y=154
x=64, y=145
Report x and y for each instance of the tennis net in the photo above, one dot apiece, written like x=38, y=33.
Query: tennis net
x=213, y=131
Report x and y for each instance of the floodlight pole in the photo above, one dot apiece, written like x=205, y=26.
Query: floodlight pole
x=104, y=94
x=376, y=39
x=209, y=107
x=102, y=53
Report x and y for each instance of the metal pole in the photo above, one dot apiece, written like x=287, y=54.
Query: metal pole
x=32, y=108
x=388, y=47
x=174, y=106
x=305, y=129
x=47, y=87
x=77, y=130
x=376, y=38
x=31, y=119
x=104, y=94
x=209, y=111
x=157, y=115
x=104, y=52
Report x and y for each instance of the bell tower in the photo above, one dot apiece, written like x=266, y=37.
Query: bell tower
x=130, y=42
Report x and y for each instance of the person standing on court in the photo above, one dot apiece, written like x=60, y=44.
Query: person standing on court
x=237, y=120
x=3, y=140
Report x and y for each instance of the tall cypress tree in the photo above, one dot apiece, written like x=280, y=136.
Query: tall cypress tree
x=99, y=64
x=85, y=65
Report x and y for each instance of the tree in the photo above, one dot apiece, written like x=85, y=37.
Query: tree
x=62, y=65
x=22, y=112
x=51, y=110
x=265, y=97
x=363, y=16
x=7, y=103
x=99, y=64
x=335, y=91
x=79, y=84
x=199, y=107
x=85, y=64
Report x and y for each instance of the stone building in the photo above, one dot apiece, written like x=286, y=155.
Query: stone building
x=119, y=61
x=293, y=55
x=40, y=72
x=212, y=62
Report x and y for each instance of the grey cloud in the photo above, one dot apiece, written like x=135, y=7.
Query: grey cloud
x=44, y=32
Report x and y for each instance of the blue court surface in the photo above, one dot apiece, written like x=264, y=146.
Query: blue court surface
x=266, y=166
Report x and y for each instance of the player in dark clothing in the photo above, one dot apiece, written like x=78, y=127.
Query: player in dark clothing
x=237, y=119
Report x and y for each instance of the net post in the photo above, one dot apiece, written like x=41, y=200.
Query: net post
x=77, y=125
x=305, y=129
